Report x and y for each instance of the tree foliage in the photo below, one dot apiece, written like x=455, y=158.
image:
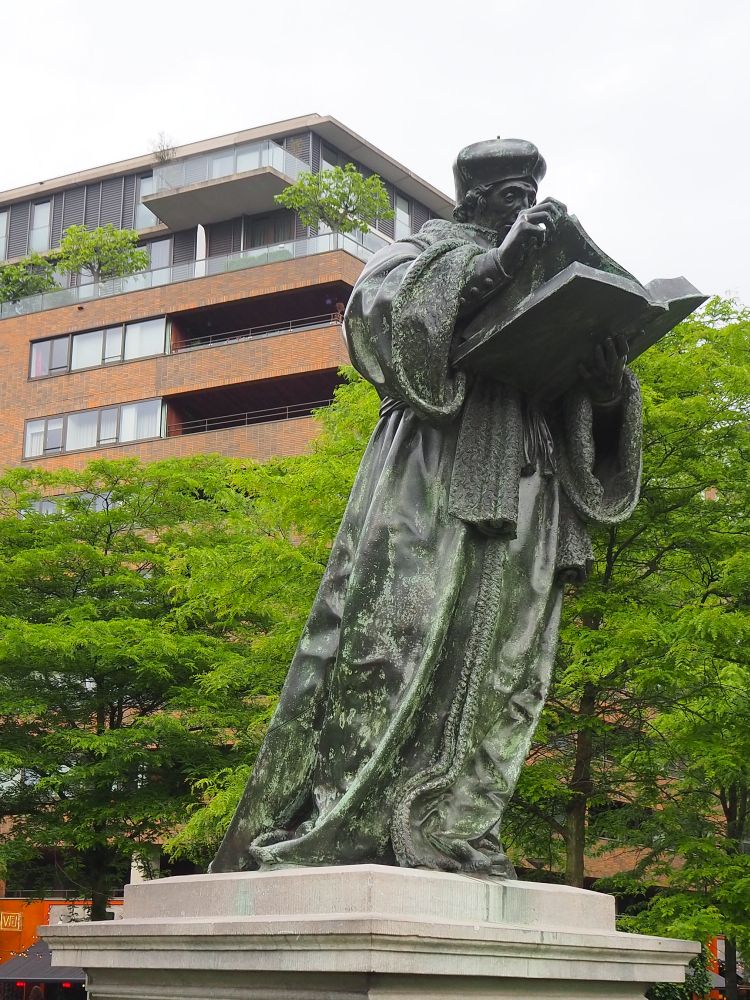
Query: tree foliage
x=643, y=748
x=104, y=252
x=147, y=619
x=339, y=197
x=106, y=720
x=30, y=276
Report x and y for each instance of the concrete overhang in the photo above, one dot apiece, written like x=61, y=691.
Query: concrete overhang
x=348, y=142
x=248, y=193
x=330, y=129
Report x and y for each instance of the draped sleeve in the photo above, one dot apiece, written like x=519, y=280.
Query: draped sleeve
x=400, y=323
x=600, y=475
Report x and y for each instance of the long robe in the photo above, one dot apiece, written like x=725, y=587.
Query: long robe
x=412, y=698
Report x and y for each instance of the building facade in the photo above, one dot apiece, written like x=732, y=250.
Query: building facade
x=231, y=337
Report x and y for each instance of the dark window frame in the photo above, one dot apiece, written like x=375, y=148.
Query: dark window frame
x=105, y=362
x=46, y=451
x=147, y=245
x=51, y=372
x=5, y=214
x=100, y=442
x=33, y=229
x=410, y=212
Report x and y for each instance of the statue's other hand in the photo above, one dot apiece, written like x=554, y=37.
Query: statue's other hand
x=602, y=376
x=530, y=231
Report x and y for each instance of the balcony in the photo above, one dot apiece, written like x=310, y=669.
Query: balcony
x=363, y=248
x=202, y=425
x=225, y=407
x=258, y=332
x=222, y=184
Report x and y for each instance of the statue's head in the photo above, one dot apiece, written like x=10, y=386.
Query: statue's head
x=495, y=179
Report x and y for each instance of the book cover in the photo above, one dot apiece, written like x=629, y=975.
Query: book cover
x=569, y=297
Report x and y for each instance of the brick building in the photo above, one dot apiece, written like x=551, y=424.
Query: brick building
x=230, y=338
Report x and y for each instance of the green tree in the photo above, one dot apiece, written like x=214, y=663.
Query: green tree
x=104, y=252
x=339, y=197
x=30, y=276
x=644, y=743
x=105, y=723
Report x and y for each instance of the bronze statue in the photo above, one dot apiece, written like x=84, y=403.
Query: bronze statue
x=414, y=693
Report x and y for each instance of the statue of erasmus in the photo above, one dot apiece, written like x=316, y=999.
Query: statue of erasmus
x=413, y=696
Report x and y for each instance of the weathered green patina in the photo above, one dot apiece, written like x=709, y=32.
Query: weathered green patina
x=413, y=696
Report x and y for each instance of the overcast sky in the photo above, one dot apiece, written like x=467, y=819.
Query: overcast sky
x=640, y=108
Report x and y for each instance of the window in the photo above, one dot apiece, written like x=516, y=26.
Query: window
x=45, y=507
x=43, y=437
x=160, y=252
x=144, y=338
x=402, y=221
x=63, y=502
x=97, y=501
x=34, y=443
x=81, y=430
x=90, y=428
x=98, y=347
x=3, y=235
x=49, y=357
x=93, y=428
x=140, y=420
x=87, y=350
x=39, y=231
x=108, y=420
x=265, y=230
x=144, y=217
x=329, y=158
x=112, y=345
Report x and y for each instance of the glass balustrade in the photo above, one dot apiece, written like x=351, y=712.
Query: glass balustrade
x=362, y=246
x=226, y=163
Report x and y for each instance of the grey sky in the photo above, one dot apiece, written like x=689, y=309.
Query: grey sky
x=641, y=108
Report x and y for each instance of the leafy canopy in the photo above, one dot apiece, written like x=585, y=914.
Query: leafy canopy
x=104, y=252
x=642, y=760
x=106, y=715
x=30, y=276
x=339, y=197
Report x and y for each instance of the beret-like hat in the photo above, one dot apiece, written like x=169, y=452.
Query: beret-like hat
x=497, y=160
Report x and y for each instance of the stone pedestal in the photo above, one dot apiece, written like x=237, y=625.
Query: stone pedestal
x=363, y=931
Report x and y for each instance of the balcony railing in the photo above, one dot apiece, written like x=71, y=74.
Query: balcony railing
x=221, y=163
x=244, y=419
x=258, y=332
x=255, y=257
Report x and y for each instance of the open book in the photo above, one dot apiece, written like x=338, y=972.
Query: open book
x=567, y=298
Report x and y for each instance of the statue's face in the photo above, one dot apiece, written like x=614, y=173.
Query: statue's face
x=503, y=202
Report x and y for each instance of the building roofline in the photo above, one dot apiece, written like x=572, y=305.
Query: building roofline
x=328, y=127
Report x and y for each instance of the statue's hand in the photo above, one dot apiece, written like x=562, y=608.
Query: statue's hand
x=602, y=376
x=530, y=231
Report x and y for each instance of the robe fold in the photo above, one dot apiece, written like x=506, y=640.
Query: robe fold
x=420, y=676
